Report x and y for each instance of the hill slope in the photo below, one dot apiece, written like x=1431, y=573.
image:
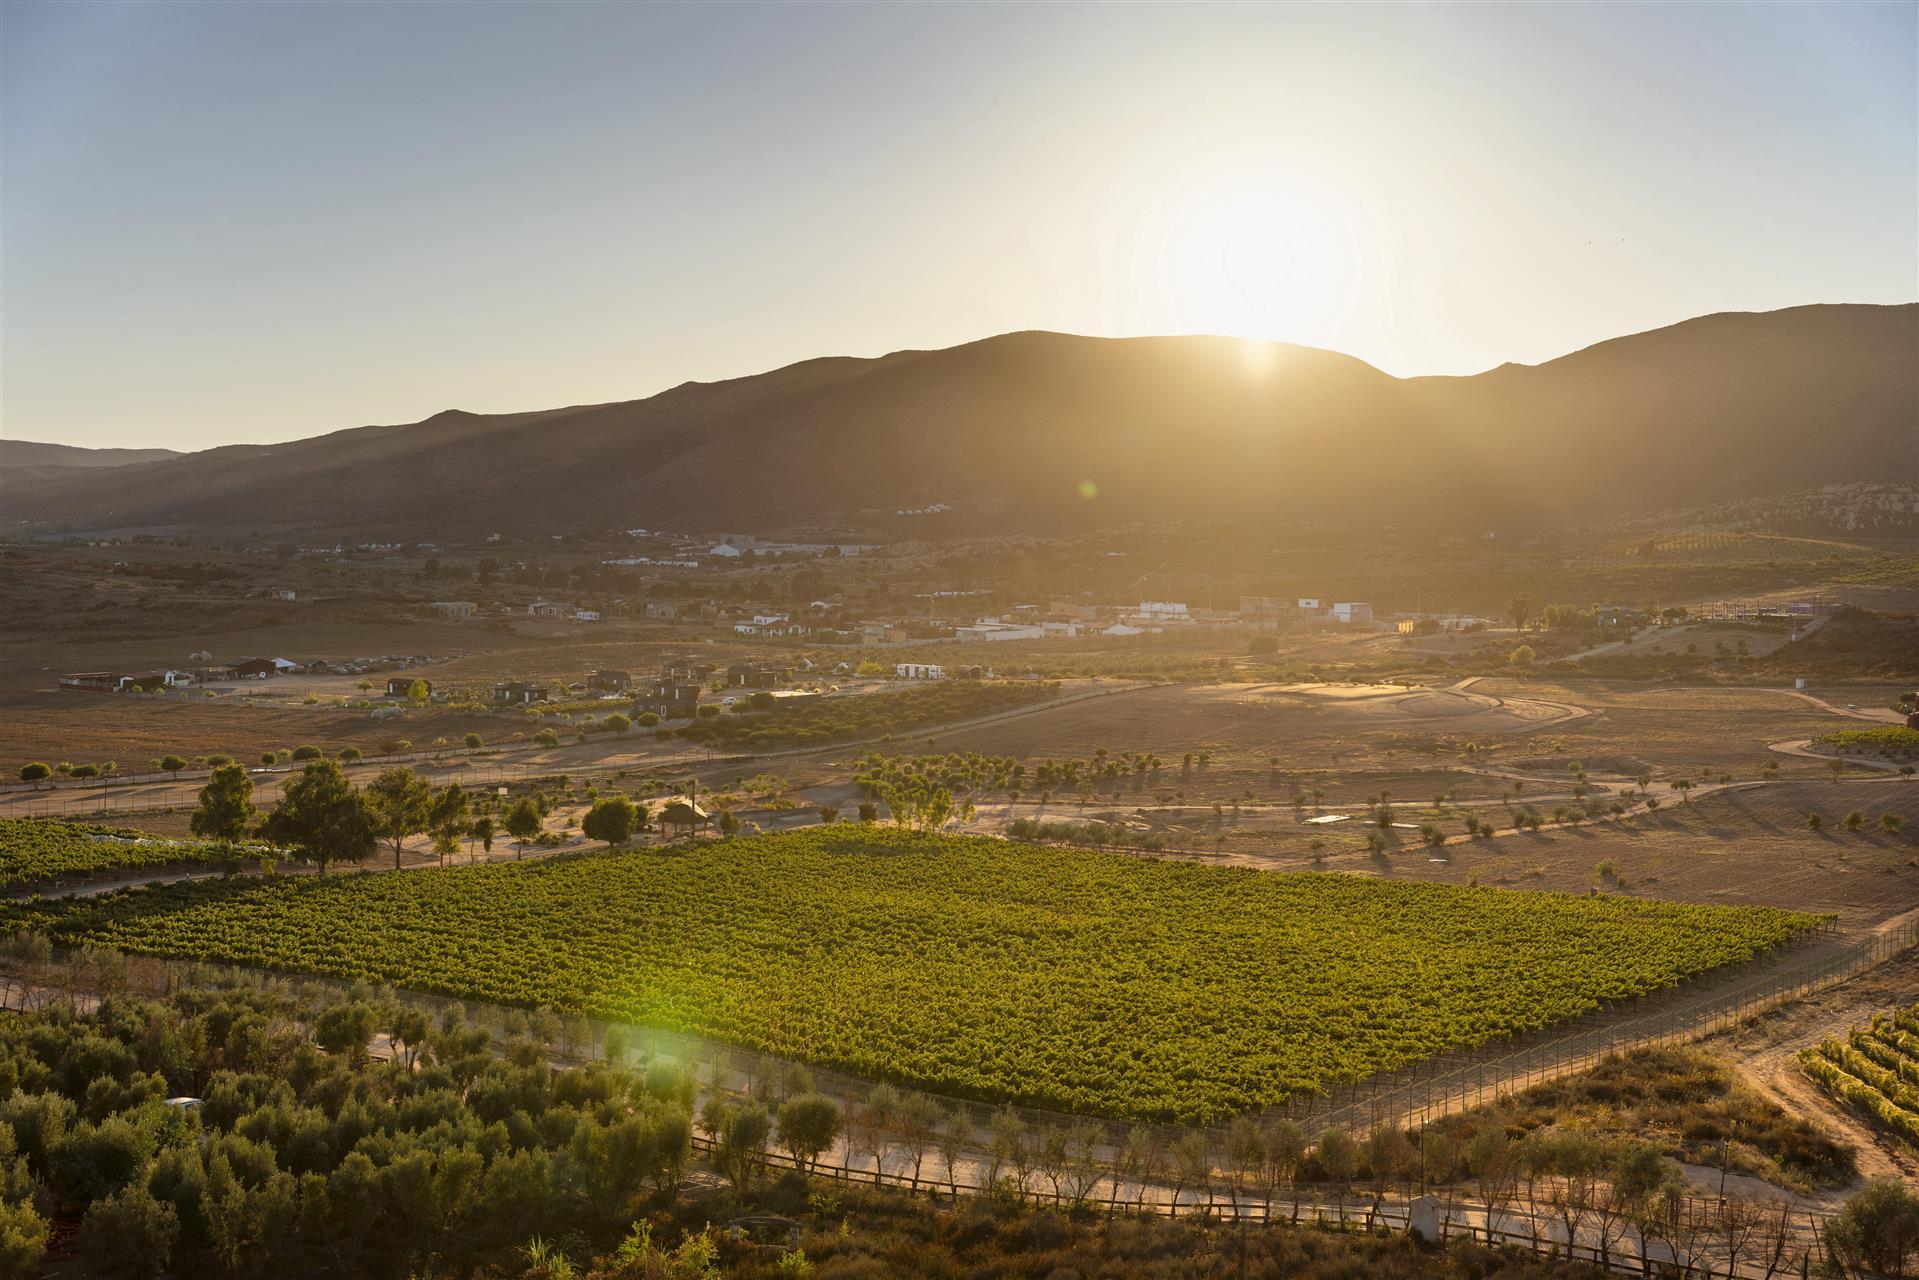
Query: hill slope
x=30, y=453
x=1008, y=430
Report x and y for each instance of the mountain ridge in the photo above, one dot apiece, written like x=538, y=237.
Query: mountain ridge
x=1012, y=429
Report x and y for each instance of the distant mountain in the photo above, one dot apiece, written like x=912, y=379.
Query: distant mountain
x=28, y=453
x=1045, y=432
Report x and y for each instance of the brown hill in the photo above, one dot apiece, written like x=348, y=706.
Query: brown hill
x=32, y=453
x=1011, y=431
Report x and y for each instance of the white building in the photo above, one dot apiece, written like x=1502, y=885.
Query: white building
x=1121, y=629
x=1164, y=610
x=1309, y=604
x=1353, y=613
x=918, y=671
x=991, y=629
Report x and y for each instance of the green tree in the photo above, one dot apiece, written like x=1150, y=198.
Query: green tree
x=173, y=764
x=35, y=772
x=742, y=1142
x=474, y=742
x=1518, y=609
x=416, y=692
x=23, y=1240
x=129, y=1233
x=1522, y=656
x=447, y=819
x=225, y=811
x=617, y=723
x=523, y=822
x=345, y=1029
x=307, y=752
x=808, y=1125
x=401, y=801
x=482, y=830
x=351, y=755
x=547, y=738
x=1877, y=1231
x=611, y=819
x=323, y=818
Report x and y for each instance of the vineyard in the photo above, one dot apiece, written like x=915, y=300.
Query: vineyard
x=1066, y=978
x=1889, y=740
x=1875, y=1070
x=35, y=849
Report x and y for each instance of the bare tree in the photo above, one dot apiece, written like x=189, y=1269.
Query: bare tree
x=1739, y=1221
x=1775, y=1239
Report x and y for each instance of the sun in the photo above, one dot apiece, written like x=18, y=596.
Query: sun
x=1247, y=248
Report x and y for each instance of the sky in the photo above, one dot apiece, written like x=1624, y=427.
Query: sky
x=228, y=222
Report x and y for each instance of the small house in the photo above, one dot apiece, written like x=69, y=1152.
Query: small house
x=519, y=693
x=1353, y=613
x=610, y=681
x=402, y=686
x=918, y=671
x=756, y=675
x=458, y=610
x=669, y=699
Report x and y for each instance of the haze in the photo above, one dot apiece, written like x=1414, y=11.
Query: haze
x=228, y=223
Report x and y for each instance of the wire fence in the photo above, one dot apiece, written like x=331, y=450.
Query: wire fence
x=1706, y=1236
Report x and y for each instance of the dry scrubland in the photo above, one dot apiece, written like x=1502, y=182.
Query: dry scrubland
x=1749, y=846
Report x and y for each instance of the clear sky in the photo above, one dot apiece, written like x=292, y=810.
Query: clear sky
x=229, y=222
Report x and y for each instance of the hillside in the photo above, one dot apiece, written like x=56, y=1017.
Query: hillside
x=1006, y=430
x=30, y=453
